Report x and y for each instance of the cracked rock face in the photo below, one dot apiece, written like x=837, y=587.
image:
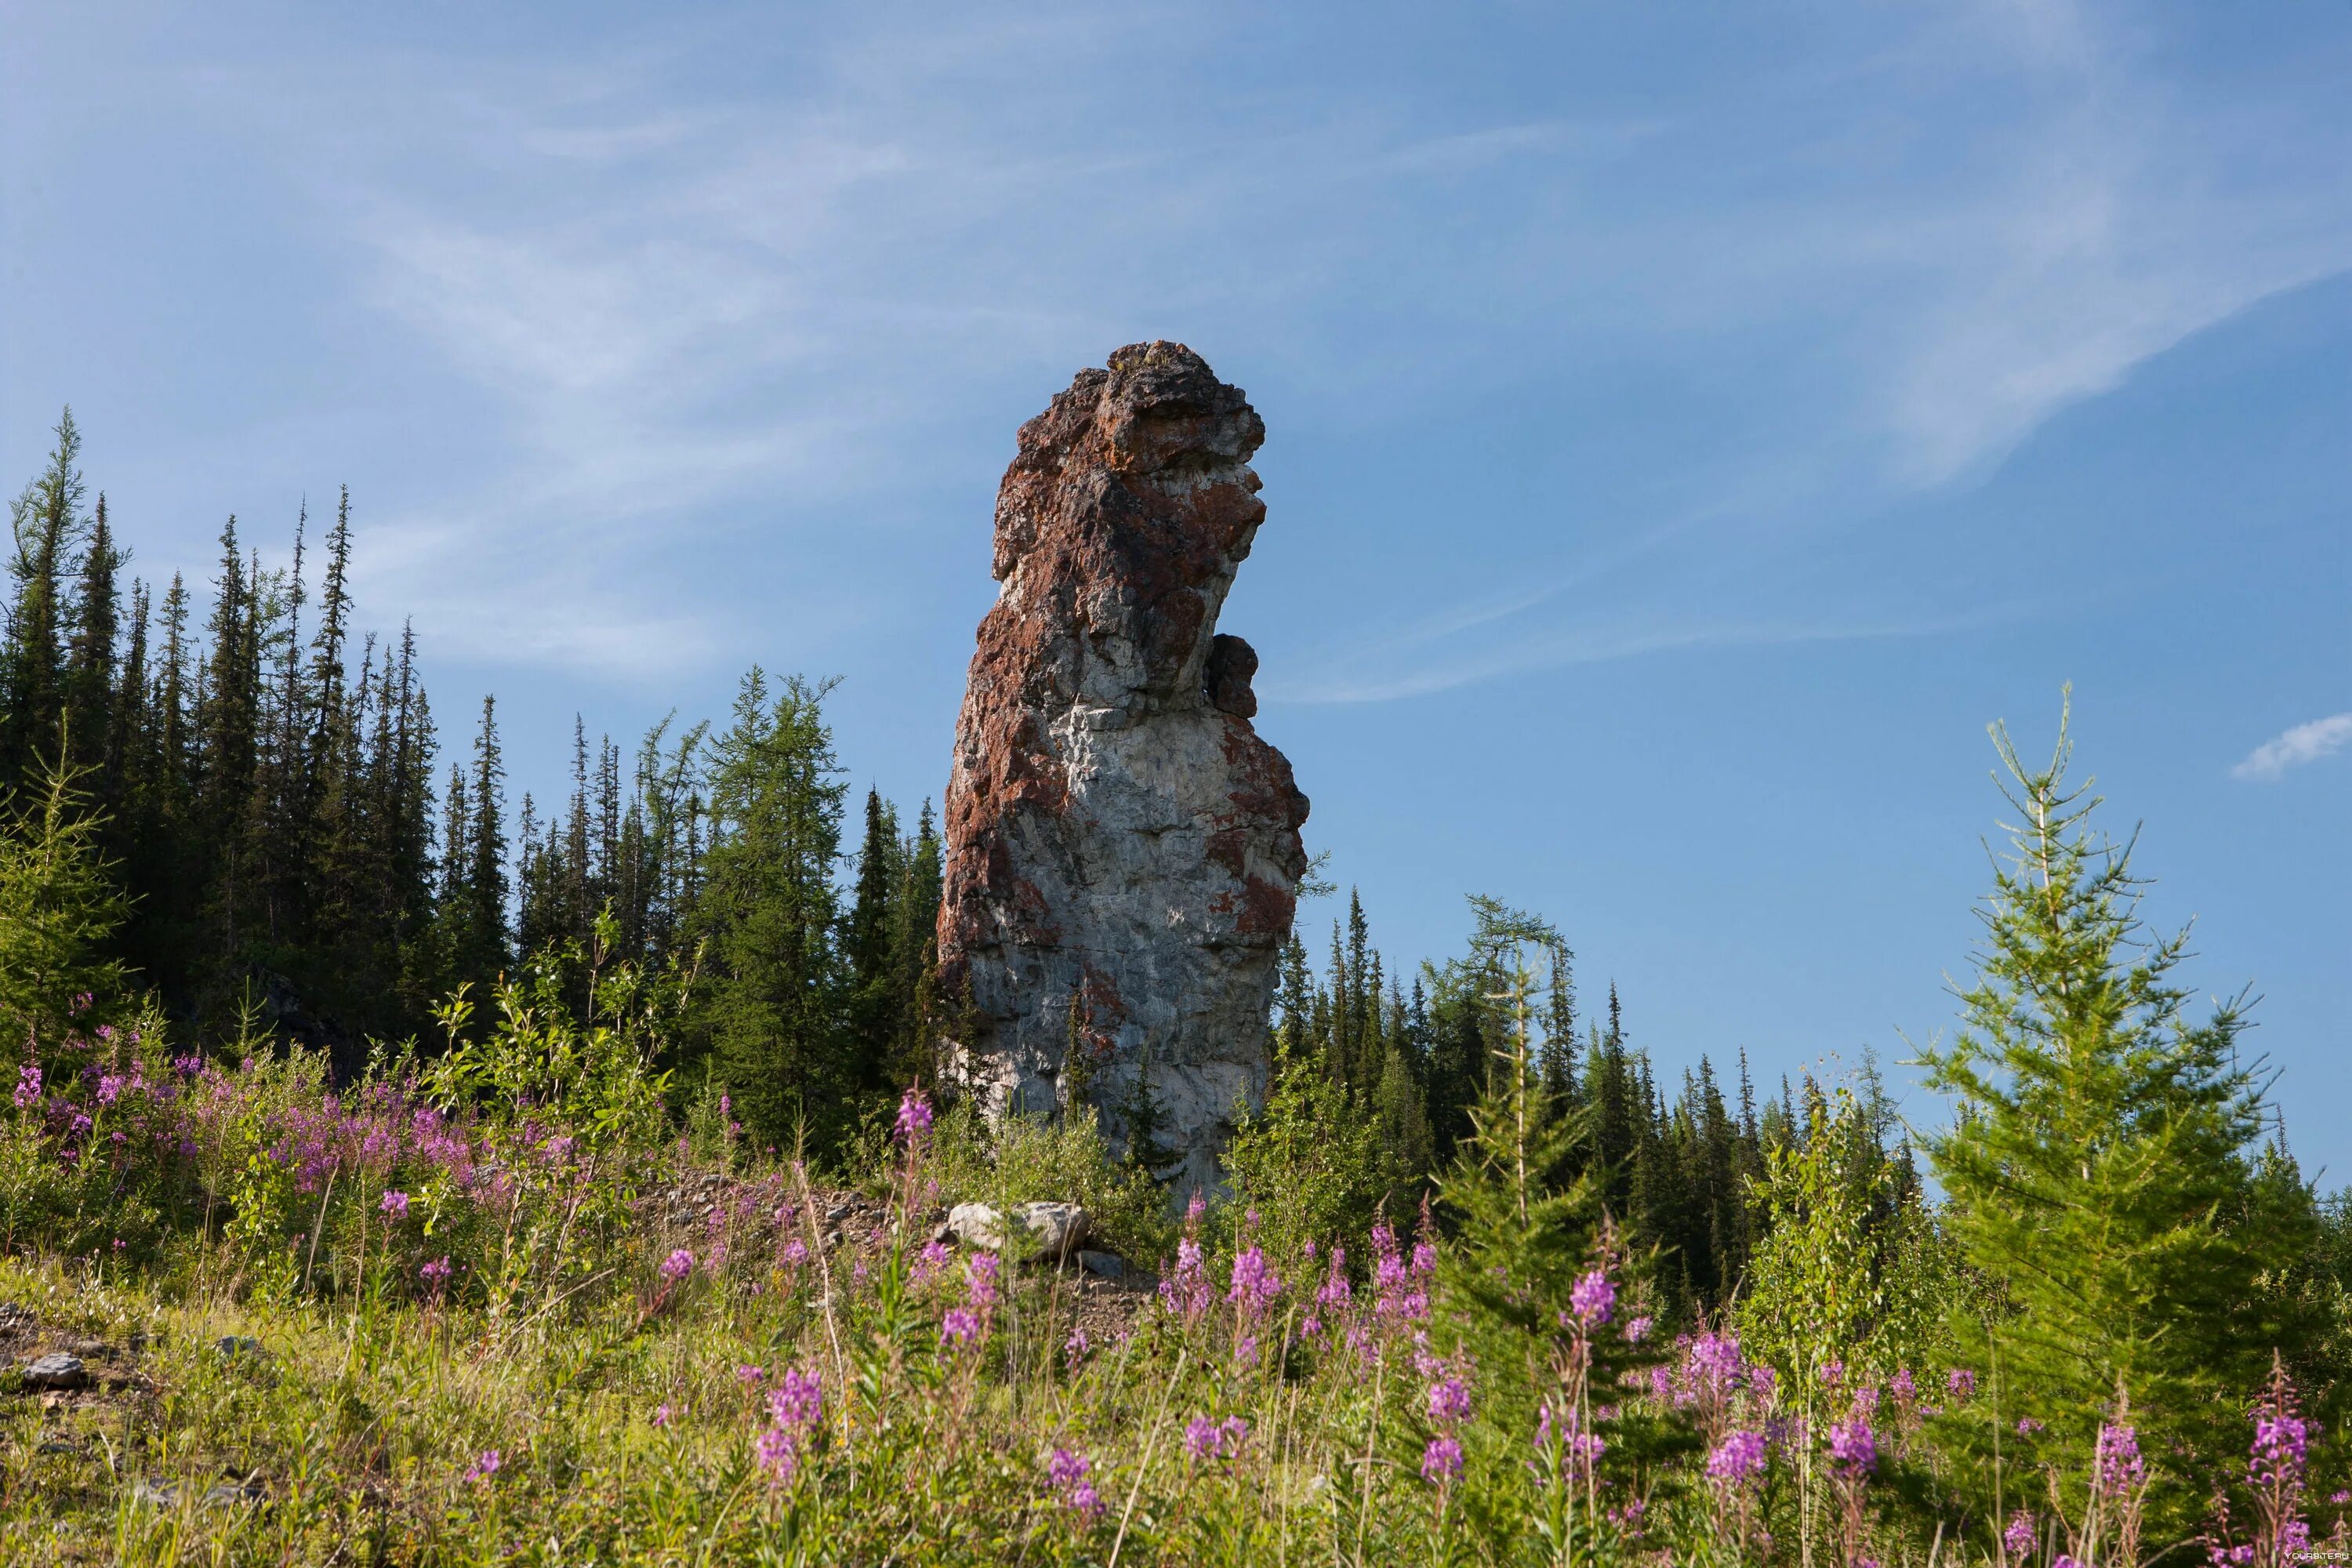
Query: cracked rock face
x=1120, y=844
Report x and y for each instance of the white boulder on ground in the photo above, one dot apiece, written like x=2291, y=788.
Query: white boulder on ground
x=1048, y=1230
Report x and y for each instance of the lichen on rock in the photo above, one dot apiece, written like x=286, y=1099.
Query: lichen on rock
x=1123, y=855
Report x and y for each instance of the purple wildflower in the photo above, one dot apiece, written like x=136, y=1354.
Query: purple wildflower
x=958, y=1326
x=1592, y=1299
x=914, y=1122
x=1962, y=1382
x=1066, y=1473
x=395, y=1204
x=2119, y=1468
x=1736, y=1458
x=28, y=1088
x=1254, y=1284
x=485, y=1465
x=979, y=1281
x=1639, y=1329
x=780, y=1454
x=1448, y=1402
x=678, y=1266
x=1441, y=1462
x=1853, y=1447
x=2018, y=1539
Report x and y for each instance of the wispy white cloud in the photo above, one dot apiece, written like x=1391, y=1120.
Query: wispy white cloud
x=2304, y=743
x=677, y=300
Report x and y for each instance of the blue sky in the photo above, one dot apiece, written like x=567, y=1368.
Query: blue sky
x=1688, y=425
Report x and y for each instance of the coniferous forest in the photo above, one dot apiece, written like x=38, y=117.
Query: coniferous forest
x=400, y=1171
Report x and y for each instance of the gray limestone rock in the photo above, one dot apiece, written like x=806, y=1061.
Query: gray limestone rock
x=1122, y=849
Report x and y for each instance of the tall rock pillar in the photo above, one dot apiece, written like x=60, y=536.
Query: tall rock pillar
x=1120, y=844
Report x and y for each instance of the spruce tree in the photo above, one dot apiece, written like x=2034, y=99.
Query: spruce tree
x=2101, y=1142
x=768, y=910
x=48, y=524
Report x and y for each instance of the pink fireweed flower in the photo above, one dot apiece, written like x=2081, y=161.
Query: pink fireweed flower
x=749, y=1375
x=1441, y=1462
x=1903, y=1386
x=979, y=1281
x=914, y=1122
x=2118, y=1468
x=1335, y=1292
x=1579, y=1450
x=1712, y=1368
x=1853, y=1448
x=798, y=1400
x=2027, y=1426
x=1066, y=1473
x=1448, y=1402
x=795, y=1253
x=395, y=1204
x=109, y=1088
x=2279, y=1450
x=779, y=1454
x=662, y=1414
x=2018, y=1539
x=1076, y=1346
x=28, y=1088
x=1639, y=1329
x=958, y=1326
x=1186, y=1290
x=1738, y=1457
x=485, y=1465
x=1205, y=1439
x=678, y=1266
x=1592, y=1299
x=1831, y=1374
x=434, y=1273
x=1254, y=1283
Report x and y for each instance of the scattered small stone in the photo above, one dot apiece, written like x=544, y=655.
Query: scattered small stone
x=1104, y=1265
x=836, y=1213
x=943, y=1233
x=91, y=1349
x=220, y=1494
x=832, y=1239
x=57, y=1370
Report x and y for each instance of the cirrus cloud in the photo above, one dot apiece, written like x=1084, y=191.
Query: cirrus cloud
x=2304, y=743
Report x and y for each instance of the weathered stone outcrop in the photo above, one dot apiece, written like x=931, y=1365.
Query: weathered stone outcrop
x=1120, y=841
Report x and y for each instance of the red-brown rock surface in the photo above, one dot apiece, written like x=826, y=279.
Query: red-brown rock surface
x=1119, y=837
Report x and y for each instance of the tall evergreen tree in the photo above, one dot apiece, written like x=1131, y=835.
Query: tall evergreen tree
x=768, y=910
x=2103, y=1142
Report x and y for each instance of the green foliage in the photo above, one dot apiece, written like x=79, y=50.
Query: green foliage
x=1027, y=1159
x=2100, y=1168
x=1549, y=1366
x=767, y=911
x=59, y=906
x=1853, y=1269
x=1308, y=1165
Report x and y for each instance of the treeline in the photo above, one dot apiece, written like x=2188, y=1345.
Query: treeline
x=274, y=814
x=1675, y=1165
